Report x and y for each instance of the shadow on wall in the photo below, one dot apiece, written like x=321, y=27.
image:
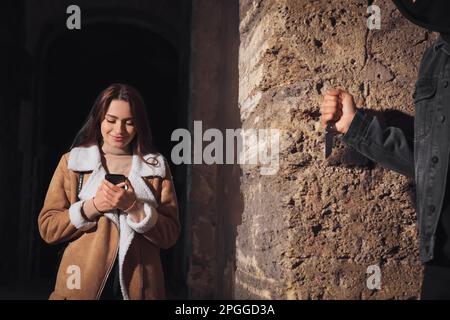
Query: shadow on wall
x=350, y=158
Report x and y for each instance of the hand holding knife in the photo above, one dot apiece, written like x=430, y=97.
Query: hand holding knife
x=337, y=112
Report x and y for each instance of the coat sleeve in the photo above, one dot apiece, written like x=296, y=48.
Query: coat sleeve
x=161, y=225
x=390, y=146
x=54, y=221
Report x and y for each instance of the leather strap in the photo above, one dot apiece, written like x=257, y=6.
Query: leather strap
x=80, y=184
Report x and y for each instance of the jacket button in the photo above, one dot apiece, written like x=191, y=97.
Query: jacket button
x=435, y=159
x=432, y=208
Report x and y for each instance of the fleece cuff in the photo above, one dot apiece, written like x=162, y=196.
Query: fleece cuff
x=151, y=217
x=77, y=218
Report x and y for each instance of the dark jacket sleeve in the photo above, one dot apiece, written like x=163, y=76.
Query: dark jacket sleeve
x=389, y=146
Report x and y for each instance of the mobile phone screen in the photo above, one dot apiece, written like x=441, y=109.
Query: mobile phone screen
x=115, y=178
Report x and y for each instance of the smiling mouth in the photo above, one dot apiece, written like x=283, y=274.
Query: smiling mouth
x=118, y=138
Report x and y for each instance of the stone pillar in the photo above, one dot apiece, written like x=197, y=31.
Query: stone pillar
x=214, y=189
x=312, y=230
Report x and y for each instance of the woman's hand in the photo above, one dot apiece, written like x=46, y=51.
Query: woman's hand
x=116, y=196
x=100, y=201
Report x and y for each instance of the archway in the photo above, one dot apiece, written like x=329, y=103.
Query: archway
x=75, y=68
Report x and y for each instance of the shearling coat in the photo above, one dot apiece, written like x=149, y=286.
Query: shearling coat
x=94, y=245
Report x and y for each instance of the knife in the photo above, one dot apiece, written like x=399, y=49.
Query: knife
x=330, y=132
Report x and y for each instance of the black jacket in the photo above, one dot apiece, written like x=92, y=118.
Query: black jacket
x=429, y=14
x=423, y=157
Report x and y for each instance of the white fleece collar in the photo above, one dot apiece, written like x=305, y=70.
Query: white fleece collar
x=88, y=159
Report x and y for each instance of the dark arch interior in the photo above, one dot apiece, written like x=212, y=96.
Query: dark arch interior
x=80, y=64
x=74, y=70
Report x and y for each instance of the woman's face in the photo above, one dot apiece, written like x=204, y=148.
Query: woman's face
x=118, y=127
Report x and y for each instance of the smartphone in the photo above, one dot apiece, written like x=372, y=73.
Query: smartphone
x=115, y=178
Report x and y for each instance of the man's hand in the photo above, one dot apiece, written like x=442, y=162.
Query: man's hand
x=338, y=106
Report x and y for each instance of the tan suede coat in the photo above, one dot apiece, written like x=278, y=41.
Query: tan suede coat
x=93, y=246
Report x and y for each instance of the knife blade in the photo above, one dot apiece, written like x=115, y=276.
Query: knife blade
x=330, y=132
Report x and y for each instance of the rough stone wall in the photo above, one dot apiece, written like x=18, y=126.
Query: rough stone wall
x=311, y=230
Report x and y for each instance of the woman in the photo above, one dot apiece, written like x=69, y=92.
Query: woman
x=114, y=232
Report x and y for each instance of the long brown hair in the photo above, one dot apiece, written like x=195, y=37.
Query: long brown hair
x=90, y=132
